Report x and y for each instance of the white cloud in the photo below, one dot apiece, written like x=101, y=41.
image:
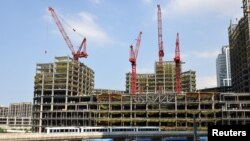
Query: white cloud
x=206, y=81
x=205, y=54
x=85, y=25
x=219, y=7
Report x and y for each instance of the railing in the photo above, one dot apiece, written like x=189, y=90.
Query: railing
x=67, y=136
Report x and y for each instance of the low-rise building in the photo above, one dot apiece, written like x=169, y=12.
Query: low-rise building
x=16, y=115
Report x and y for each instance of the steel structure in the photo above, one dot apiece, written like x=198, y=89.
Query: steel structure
x=59, y=85
x=81, y=52
x=239, y=36
x=132, y=59
x=160, y=42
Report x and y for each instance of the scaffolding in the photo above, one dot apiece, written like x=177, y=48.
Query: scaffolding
x=236, y=108
x=239, y=51
x=169, y=111
x=64, y=96
x=188, y=81
x=58, y=86
x=162, y=80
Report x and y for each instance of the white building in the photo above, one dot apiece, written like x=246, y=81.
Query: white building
x=16, y=115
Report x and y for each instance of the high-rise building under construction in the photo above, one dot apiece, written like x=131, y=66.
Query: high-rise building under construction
x=162, y=80
x=58, y=86
x=159, y=82
x=239, y=44
x=188, y=81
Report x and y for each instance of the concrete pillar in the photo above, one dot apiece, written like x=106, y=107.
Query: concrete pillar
x=41, y=105
x=67, y=85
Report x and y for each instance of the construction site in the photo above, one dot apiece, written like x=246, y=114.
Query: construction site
x=236, y=32
x=65, y=106
x=64, y=94
x=163, y=80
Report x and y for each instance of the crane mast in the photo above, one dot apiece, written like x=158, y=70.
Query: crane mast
x=160, y=42
x=79, y=53
x=132, y=59
x=177, y=60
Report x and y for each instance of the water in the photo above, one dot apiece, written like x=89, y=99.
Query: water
x=176, y=139
x=104, y=139
x=203, y=138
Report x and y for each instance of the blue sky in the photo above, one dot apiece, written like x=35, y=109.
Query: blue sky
x=110, y=26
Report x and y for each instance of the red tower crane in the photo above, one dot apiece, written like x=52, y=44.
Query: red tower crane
x=132, y=59
x=160, y=42
x=81, y=52
x=177, y=60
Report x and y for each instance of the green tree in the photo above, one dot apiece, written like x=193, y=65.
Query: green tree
x=2, y=130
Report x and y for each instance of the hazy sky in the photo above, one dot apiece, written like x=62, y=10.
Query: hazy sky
x=110, y=26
